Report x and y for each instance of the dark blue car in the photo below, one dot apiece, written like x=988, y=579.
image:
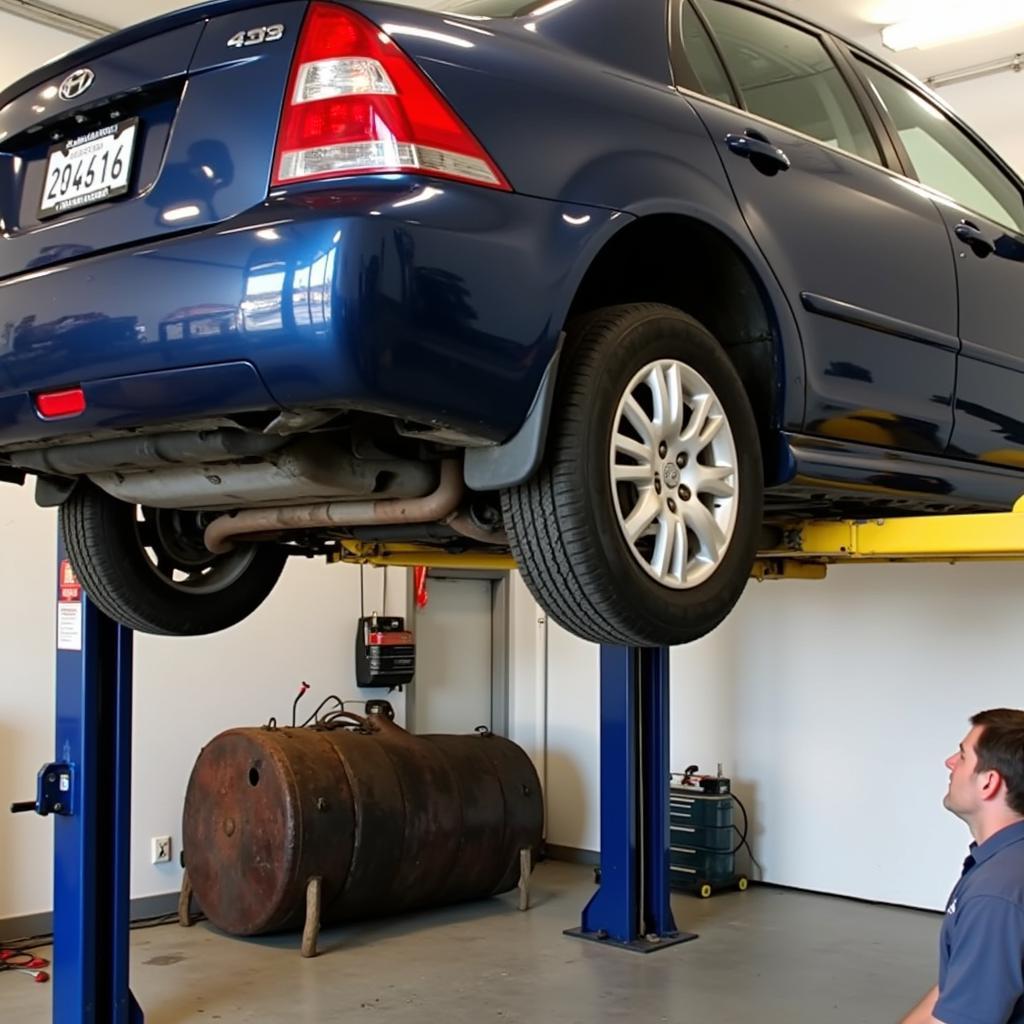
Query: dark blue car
x=621, y=288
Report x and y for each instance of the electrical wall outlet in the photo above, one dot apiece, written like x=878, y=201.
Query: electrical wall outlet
x=160, y=848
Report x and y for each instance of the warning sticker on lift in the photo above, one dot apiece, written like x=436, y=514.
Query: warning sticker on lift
x=69, y=610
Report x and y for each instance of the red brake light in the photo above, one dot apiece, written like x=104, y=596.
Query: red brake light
x=56, y=404
x=356, y=104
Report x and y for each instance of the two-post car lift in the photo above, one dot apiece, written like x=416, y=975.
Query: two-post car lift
x=87, y=788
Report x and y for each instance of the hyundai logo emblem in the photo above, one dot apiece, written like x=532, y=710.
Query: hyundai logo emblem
x=76, y=83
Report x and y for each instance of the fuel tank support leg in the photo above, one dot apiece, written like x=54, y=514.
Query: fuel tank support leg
x=185, y=901
x=525, y=870
x=311, y=931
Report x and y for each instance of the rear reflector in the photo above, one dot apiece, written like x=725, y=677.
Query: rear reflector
x=56, y=404
x=356, y=104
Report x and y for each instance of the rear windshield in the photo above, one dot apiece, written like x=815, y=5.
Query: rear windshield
x=486, y=8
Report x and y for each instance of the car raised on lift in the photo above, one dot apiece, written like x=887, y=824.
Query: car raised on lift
x=621, y=289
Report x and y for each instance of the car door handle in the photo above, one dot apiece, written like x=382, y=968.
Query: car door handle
x=970, y=234
x=766, y=157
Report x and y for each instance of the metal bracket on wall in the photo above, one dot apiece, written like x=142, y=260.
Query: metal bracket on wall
x=1014, y=63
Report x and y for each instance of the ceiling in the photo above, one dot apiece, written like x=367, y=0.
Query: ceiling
x=857, y=19
x=862, y=21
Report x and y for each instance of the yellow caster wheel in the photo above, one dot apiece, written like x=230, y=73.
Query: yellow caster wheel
x=742, y=884
x=705, y=891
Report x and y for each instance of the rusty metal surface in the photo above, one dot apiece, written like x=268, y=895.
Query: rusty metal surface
x=389, y=820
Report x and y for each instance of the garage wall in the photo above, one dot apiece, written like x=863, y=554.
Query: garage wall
x=840, y=741
x=186, y=691
x=832, y=705
x=990, y=106
x=25, y=46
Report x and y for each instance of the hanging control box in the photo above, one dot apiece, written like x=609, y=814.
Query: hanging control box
x=385, y=652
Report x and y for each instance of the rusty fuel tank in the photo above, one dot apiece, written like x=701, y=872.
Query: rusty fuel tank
x=390, y=821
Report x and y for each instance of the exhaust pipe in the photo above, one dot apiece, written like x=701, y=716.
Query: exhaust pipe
x=222, y=532
x=464, y=524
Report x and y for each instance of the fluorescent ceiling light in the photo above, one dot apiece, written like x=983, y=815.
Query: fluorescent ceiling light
x=176, y=213
x=547, y=8
x=952, y=21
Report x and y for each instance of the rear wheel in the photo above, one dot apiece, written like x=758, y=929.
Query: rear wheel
x=150, y=570
x=642, y=523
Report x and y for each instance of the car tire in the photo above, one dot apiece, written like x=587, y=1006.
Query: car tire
x=152, y=573
x=570, y=529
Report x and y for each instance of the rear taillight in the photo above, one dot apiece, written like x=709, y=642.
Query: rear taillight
x=356, y=104
x=58, y=404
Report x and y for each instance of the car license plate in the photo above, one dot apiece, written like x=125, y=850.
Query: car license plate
x=89, y=169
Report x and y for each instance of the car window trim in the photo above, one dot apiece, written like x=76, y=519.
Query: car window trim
x=899, y=166
x=909, y=171
x=905, y=164
x=679, y=59
x=877, y=129
x=921, y=188
x=881, y=130
x=835, y=150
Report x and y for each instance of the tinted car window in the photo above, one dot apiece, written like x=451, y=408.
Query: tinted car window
x=702, y=58
x=944, y=158
x=786, y=74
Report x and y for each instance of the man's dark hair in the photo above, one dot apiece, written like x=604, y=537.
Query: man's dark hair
x=1000, y=748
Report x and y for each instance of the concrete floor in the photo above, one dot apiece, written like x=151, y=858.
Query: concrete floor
x=766, y=955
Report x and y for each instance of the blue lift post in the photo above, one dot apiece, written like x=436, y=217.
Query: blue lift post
x=88, y=792
x=631, y=908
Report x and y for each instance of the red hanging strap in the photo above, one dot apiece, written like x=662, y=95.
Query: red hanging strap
x=419, y=579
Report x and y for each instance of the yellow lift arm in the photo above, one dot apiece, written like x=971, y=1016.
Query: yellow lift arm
x=419, y=554
x=806, y=550
x=981, y=537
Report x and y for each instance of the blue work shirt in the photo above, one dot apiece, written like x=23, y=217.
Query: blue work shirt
x=981, y=946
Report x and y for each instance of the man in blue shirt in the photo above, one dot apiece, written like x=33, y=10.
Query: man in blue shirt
x=981, y=946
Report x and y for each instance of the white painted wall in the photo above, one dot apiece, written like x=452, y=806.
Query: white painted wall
x=453, y=690
x=832, y=705
x=573, y=789
x=992, y=107
x=849, y=695
x=186, y=691
x=25, y=46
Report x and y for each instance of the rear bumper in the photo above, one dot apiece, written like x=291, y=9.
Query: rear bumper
x=115, y=404
x=440, y=304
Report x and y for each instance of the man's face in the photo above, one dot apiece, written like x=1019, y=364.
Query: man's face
x=963, y=797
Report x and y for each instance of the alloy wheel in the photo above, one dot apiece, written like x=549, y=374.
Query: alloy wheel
x=673, y=465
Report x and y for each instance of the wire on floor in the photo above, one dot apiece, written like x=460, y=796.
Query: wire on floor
x=743, y=836
x=29, y=943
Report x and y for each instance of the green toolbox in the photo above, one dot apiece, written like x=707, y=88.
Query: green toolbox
x=702, y=838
